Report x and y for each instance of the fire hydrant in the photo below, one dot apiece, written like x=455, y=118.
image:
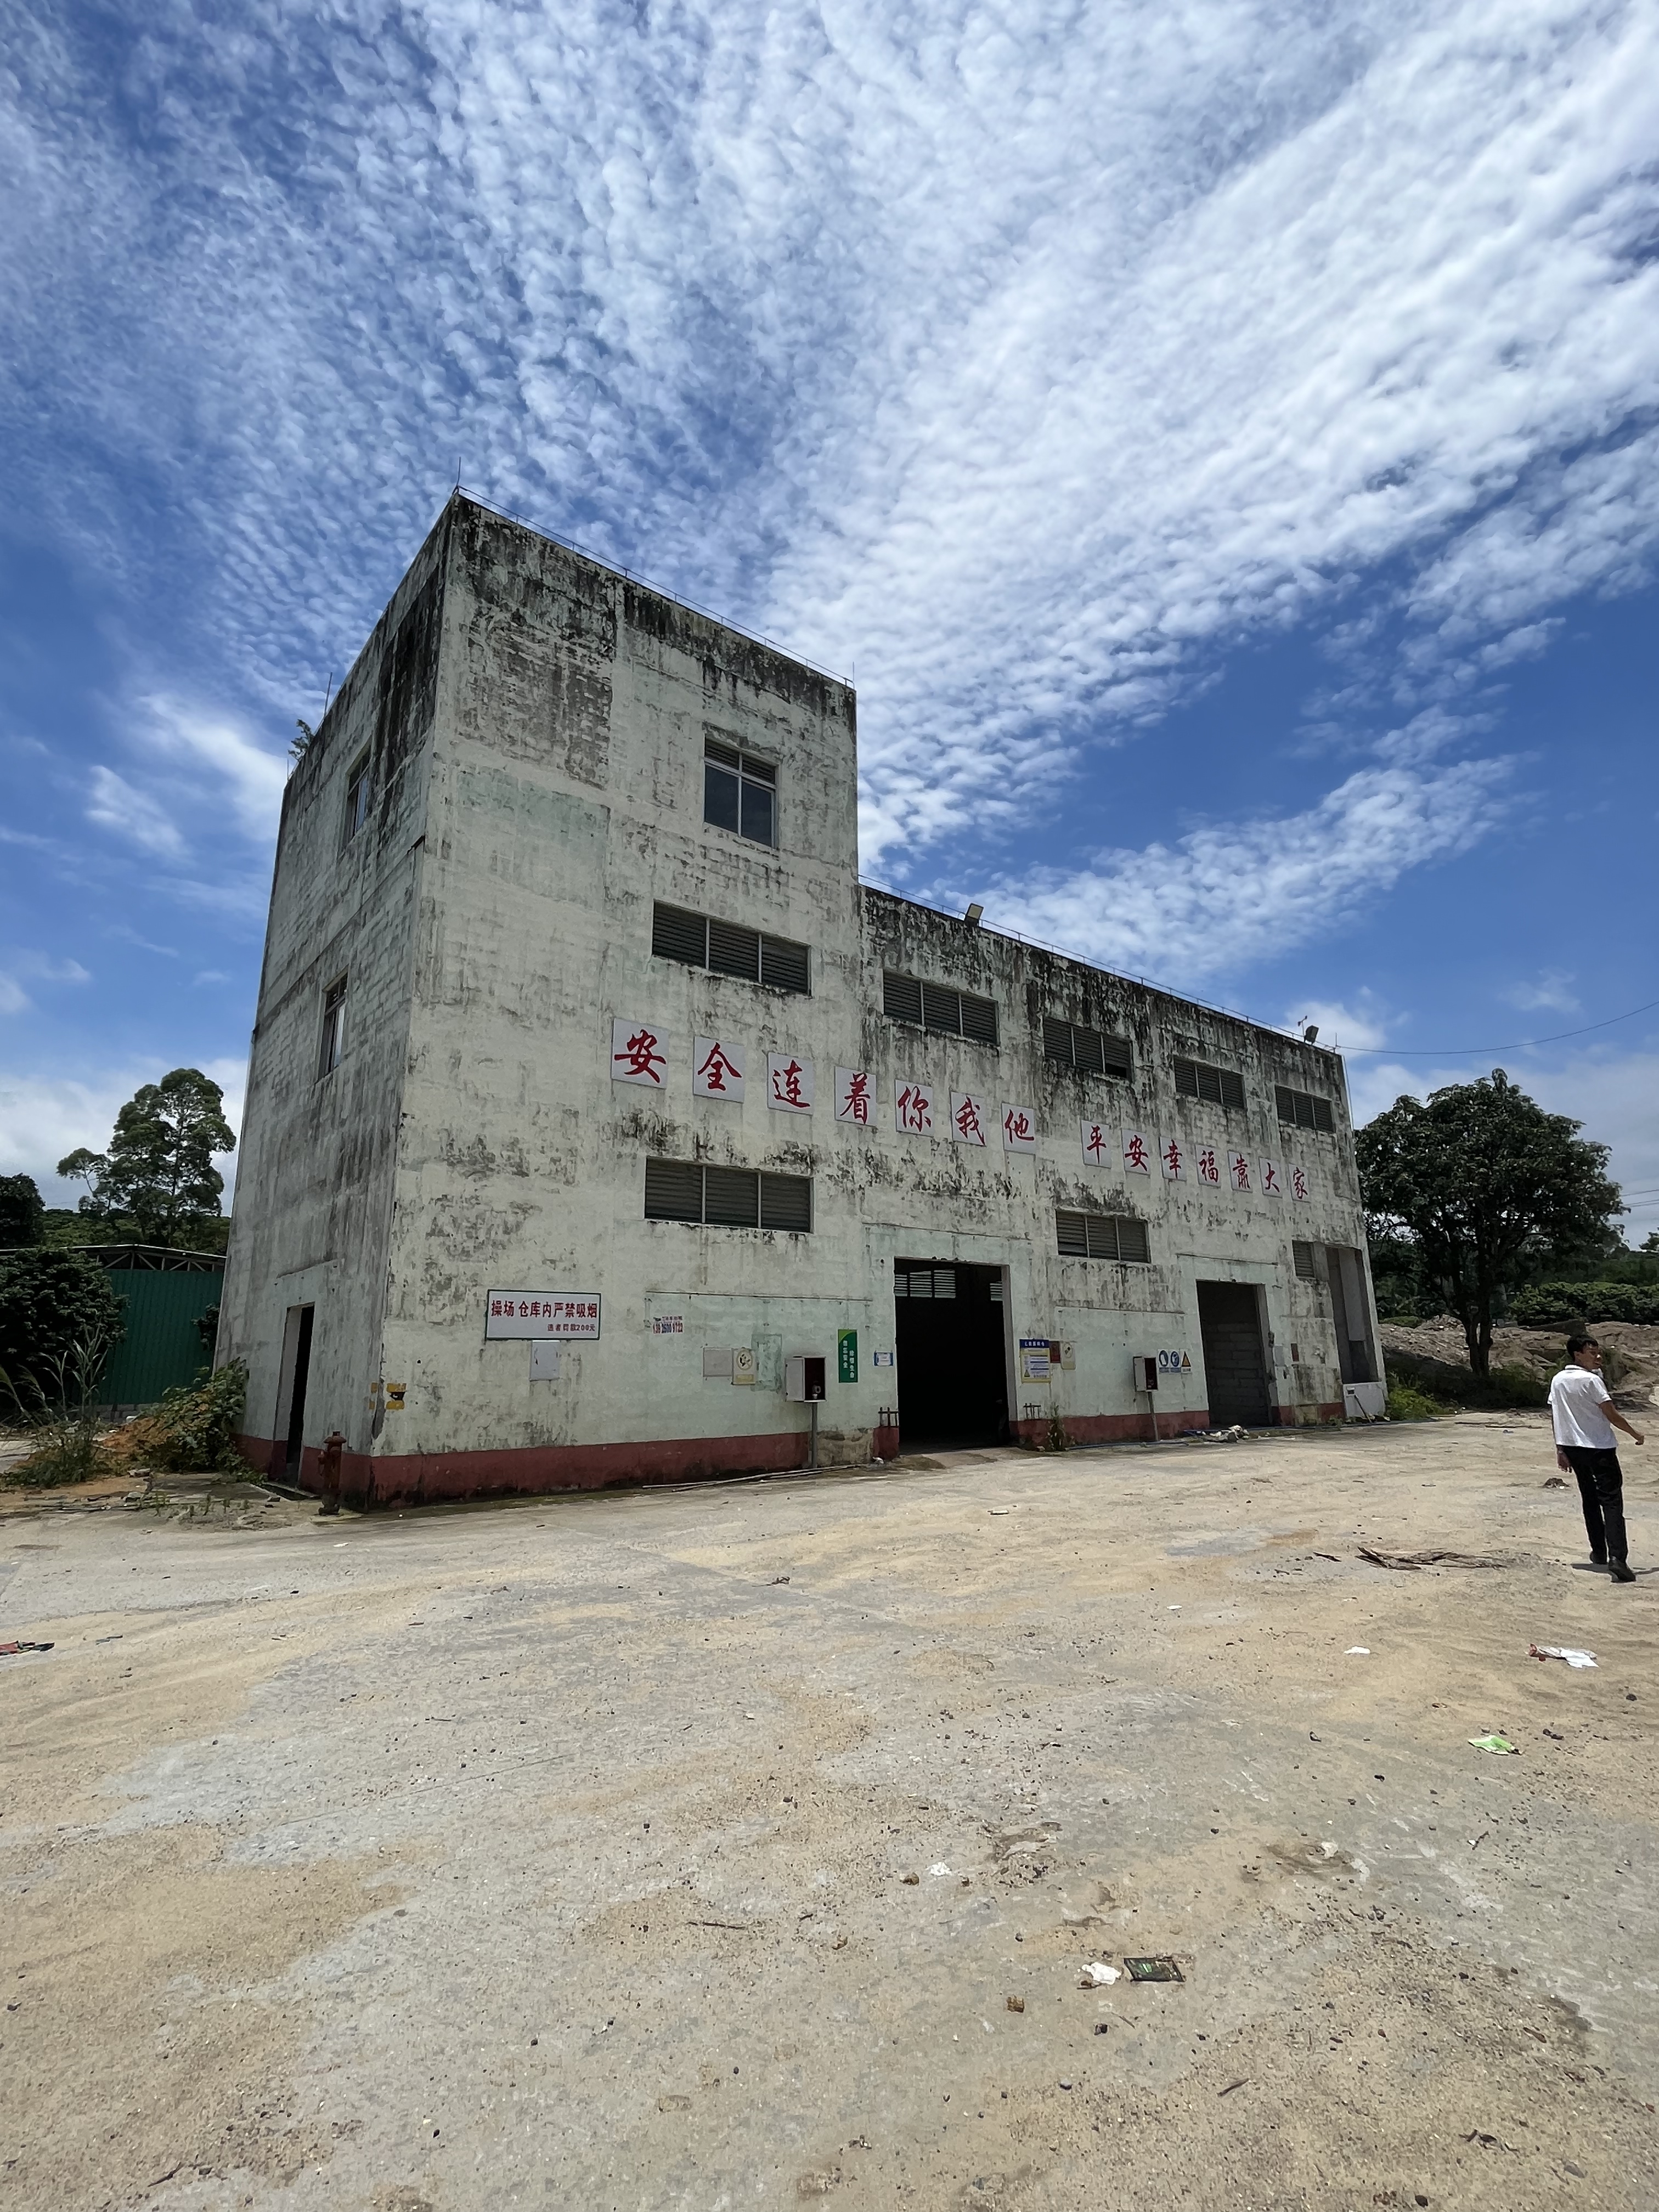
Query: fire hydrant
x=328, y=1472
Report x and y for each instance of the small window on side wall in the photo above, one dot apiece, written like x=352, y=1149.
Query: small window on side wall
x=356, y=800
x=739, y=792
x=333, y=1043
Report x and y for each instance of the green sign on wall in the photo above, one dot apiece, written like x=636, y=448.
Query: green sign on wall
x=846, y=1355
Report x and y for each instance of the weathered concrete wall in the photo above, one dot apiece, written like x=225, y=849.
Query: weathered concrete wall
x=558, y=790
x=314, y=1185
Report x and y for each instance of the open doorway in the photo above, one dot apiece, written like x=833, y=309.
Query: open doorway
x=295, y=1374
x=1234, y=1357
x=1350, y=1313
x=952, y=1340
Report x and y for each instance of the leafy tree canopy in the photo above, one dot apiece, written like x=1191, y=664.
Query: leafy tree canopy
x=158, y=1172
x=1481, y=1180
x=22, y=1211
x=52, y=1307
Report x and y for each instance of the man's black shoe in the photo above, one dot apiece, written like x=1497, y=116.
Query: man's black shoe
x=1598, y=1558
x=1620, y=1572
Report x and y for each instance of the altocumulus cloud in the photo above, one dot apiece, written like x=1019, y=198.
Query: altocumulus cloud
x=1029, y=357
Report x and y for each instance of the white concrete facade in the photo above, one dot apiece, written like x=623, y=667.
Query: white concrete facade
x=534, y=731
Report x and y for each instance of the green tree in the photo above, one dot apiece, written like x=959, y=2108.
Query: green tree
x=1481, y=1180
x=58, y=1315
x=159, y=1171
x=22, y=1212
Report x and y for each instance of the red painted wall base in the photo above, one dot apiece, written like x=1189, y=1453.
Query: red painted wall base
x=1112, y=1428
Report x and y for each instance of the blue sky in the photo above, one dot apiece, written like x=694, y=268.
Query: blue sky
x=1220, y=440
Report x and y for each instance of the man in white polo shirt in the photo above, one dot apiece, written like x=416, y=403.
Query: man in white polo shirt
x=1585, y=1418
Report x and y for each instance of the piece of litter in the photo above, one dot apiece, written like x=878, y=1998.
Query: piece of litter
x=1153, y=1970
x=1064, y=2082
x=1573, y=1657
x=750, y=1716
x=1097, y=1975
x=7, y=1650
x=1016, y=2004
x=1172, y=1608
x=910, y=1879
x=1357, y=1651
x=938, y=1869
x=1409, y=1562
x=1554, y=1482
x=340, y=1546
x=1493, y=1743
x=1231, y=2086
x=1102, y=2026
x=1002, y=1508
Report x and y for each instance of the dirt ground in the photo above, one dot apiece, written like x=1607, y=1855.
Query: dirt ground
x=746, y=1844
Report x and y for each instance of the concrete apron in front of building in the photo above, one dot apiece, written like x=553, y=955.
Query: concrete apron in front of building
x=513, y=1089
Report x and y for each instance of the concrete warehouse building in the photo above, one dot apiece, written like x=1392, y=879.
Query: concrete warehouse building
x=592, y=1097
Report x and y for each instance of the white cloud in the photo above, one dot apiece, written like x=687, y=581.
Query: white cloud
x=1026, y=358
x=1228, y=894
x=134, y=815
x=1552, y=989
x=35, y=967
x=1344, y=1026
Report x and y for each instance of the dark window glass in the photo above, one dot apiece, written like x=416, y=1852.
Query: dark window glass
x=785, y=965
x=1186, y=1078
x=731, y=1197
x=979, y=1019
x=1087, y=1050
x=733, y=951
x=678, y=934
x=1232, y=1087
x=1073, y=1235
x=673, y=1190
x=785, y=1201
x=1218, y=1086
x=719, y=796
x=357, y=804
x=333, y=1044
x=1131, y=1241
x=1303, y=1110
x=900, y=999
x=758, y=808
x=1115, y=1057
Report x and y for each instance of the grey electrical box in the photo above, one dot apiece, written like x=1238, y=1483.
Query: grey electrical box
x=1145, y=1372
x=804, y=1380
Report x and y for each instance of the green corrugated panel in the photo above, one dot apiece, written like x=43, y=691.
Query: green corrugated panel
x=162, y=1344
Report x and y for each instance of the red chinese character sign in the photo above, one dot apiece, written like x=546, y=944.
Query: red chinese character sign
x=1137, y=1152
x=1238, y=1170
x=854, y=1096
x=1300, y=1189
x=913, y=1108
x=1018, y=1129
x=788, y=1083
x=1097, y=1147
x=968, y=1118
x=1272, y=1181
x=1172, y=1158
x=1206, y=1165
x=638, y=1054
x=717, y=1068
x=570, y=1316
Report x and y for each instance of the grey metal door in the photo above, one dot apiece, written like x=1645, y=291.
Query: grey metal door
x=1235, y=1360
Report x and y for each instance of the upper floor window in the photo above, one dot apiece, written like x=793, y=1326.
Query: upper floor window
x=703, y=941
x=1308, y=1260
x=937, y=1006
x=739, y=792
x=1196, y=1078
x=1303, y=1110
x=333, y=1039
x=357, y=798
x=1086, y=1050
x=1101, y=1237
x=726, y=1198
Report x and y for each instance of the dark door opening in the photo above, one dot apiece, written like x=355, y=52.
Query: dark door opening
x=1234, y=1357
x=296, y=1365
x=952, y=1353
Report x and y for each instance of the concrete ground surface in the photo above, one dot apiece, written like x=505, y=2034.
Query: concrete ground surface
x=691, y=1849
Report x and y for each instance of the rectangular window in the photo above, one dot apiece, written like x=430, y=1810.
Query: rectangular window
x=333, y=1043
x=726, y=947
x=1086, y=1050
x=1301, y=1110
x=925, y=1283
x=740, y=794
x=937, y=1006
x=1103, y=1236
x=1218, y=1086
x=357, y=798
x=1308, y=1260
x=726, y=1198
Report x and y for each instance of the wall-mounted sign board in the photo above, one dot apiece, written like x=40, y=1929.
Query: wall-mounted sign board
x=566, y=1315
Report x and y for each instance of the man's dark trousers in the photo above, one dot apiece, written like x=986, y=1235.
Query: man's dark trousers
x=1601, y=1486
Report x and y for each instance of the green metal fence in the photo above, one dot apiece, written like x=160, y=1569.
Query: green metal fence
x=162, y=1344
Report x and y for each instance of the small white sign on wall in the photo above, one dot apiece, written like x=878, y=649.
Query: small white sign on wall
x=573, y=1315
x=544, y=1363
x=716, y=1068
x=1019, y=1133
x=789, y=1084
x=638, y=1054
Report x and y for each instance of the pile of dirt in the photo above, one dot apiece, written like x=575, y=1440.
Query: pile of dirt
x=1434, y=1356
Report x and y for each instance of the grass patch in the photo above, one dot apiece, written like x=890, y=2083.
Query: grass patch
x=1408, y=1403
